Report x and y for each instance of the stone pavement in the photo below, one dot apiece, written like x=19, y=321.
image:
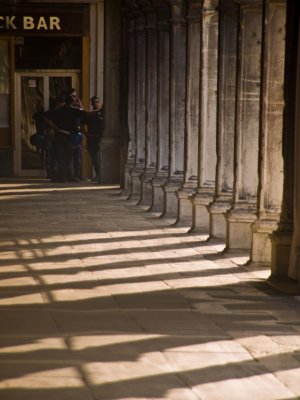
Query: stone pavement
x=100, y=299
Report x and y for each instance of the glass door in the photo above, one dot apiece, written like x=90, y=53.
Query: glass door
x=36, y=93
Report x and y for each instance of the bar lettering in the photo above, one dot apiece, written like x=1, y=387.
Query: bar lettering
x=10, y=22
x=42, y=24
x=55, y=23
x=28, y=22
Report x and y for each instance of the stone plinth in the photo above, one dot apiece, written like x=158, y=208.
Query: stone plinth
x=262, y=246
x=239, y=232
x=171, y=199
x=281, y=248
x=136, y=185
x=217, y=211
x=185, y=197
x=201, y=201
x=158, y=199
x=146, y=187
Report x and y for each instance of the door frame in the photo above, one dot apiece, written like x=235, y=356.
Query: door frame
x=46, y=74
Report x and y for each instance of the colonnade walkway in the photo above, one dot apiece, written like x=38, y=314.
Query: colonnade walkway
x=100, y=299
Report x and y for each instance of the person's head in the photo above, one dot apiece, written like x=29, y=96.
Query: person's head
x=95, y=102
x=60, y=101
x=73, y=93
x=69, y=100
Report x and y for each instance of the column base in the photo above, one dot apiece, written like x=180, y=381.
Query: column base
x=281, y=241
x=127, y=181
x=185, y=211
x=200, y=216
x=136, y=185
x=217, y=212
x=239, y=232
x=171, y=199
x=146, y=188
x=158, y=199
x=262, y=229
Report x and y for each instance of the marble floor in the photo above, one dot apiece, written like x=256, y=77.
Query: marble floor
x=101, y=299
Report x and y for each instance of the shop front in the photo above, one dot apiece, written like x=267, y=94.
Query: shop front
x=45, y=49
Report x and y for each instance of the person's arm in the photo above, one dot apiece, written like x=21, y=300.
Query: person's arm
x=50, y=123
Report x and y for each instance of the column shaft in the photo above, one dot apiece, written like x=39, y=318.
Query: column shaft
x=163, y=105
x=131, y=152
x=140, y=107
x=271, y=164
x=192, y=112
x=243, y=212
x=208, y=111
x=177, y=106
x=225, y=117
x=151, y=107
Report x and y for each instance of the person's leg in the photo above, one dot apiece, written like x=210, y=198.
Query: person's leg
x=78, y=162
x=48, y=159
x=93, y=149
x=69, y=158
x=59, y=155
x=97, y=164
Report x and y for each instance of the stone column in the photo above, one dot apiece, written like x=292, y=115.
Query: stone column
x=192, y=112
x=151, y=104
x=283, y=247
x=110, y=142
x=243, y=213
x=131, y=151
x=225, y=117
x=140, y=108
x=163, y=105
x=271, y=160
x=208, y=111
x=177, y=106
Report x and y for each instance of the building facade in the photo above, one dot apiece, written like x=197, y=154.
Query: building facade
x=47, y=47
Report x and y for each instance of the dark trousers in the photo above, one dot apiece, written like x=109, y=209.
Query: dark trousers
x=77, y=160
x=94, y=152
x=48, y=158
x=63, y=158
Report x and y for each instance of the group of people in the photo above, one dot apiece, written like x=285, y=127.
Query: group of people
x=60, y=131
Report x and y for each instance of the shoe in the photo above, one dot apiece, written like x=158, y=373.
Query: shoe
x=74, y=180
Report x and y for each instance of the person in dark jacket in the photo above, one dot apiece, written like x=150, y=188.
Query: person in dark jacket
x=95, y=127
x=65, y=121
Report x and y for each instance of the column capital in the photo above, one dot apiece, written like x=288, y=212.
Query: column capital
x=131, y=25
x=249, y=3
x=227, y=4
x=162, y=9
x=146, y=6
x=194, y=10
x=160, y=4
x=178, y=11
x=150, y=13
